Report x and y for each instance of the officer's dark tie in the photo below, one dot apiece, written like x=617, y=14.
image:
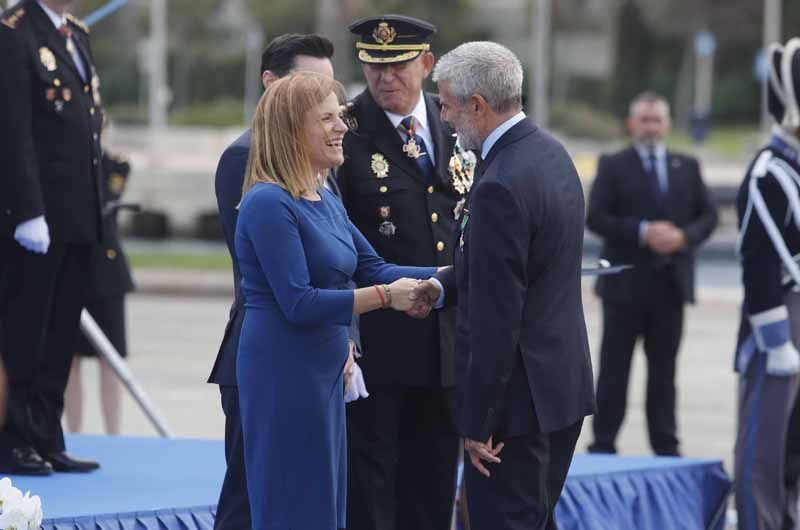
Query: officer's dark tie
x=419, y=153
x=652, y=169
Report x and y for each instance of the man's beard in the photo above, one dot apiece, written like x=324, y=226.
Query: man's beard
x=468, y=137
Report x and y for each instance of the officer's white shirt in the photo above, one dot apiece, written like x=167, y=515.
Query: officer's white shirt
x=58, y=21
x=420, y=113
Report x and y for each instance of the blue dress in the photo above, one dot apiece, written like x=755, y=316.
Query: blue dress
x=297, y=257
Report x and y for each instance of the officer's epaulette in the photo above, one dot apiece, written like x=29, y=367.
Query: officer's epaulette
x=13, y=18
x=78, y=23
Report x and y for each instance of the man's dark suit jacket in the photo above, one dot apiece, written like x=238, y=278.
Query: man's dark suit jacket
x=518, y=283
x=228, y=184
x=622, y=197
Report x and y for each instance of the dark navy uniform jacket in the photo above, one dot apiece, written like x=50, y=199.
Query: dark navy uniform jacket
x=764, y=275
x=382, y=187
x=61, y=116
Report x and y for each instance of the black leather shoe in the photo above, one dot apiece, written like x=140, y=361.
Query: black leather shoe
x=24, y=461
x=66, y=464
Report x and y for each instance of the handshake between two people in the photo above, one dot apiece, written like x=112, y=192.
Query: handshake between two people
x=414, y=297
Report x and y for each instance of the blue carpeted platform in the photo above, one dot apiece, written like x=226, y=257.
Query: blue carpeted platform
x=156, y=484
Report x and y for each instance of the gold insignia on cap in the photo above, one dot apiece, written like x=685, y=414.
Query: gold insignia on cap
x=47, y=58
x=380, y=166
x=115, y=183
x=384, y=33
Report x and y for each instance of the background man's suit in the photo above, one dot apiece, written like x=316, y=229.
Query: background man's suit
x=403, y=449
x=647, y=300
x=58, y=129
x=523, y=370
x=233, y=509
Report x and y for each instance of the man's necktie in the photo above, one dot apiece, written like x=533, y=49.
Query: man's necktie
x=67, y=33
x=652, y=167
x=415, y=147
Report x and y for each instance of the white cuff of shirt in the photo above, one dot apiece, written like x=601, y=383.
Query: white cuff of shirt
x=643, y=233
x=439, y=301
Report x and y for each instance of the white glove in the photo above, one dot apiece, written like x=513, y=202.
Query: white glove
x=783, y=360
x=357, y=388
x=33, y=235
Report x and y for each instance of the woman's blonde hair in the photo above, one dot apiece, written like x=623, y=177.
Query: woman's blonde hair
x=278, y=151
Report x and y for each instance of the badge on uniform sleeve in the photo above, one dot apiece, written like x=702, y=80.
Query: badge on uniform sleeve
x=47, y=58
x=387, y=229
x=380, y=166
x=385, y=212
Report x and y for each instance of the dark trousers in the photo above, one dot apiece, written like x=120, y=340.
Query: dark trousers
x=233, y=508
x=44, y=297
x=402, y=458
x=658, y=319
x=524, y=488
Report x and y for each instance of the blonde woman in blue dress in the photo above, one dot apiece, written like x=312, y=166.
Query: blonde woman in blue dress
x=298, y=250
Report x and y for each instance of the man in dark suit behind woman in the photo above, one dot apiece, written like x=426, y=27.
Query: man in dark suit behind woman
x=652, y=210
x=523, y=371
x=284, y=55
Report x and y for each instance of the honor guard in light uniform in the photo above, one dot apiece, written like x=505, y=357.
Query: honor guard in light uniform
x=402, y=182
x=767, y=358
x=47, y=245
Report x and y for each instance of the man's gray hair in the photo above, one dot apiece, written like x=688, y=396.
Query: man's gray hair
x=484, y=68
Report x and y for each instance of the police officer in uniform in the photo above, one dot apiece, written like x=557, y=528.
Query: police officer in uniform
x=48, y=251
x=401, y=183
x=109, y=281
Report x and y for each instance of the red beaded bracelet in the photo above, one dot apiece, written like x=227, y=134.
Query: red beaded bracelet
x=380, y=295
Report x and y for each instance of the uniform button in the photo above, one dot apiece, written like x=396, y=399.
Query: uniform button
x=111, y=253
x=57, y=81
x=440, y=246
x=384, y=189
x=94, y=161
x=434, y=217
x=91, y=111
x=85, y=89
x=430, y=189
x=95, y=137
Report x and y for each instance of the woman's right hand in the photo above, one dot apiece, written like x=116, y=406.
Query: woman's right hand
x=400, y=292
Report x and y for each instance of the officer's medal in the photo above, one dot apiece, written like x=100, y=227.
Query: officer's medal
x=464, y=221
x=412, y=149
x=380, y=166
x=47, y=59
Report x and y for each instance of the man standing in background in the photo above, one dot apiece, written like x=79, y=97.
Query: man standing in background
x=652, y=210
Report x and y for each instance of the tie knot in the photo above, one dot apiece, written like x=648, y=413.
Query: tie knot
x=65, y=31
x=409, y=125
